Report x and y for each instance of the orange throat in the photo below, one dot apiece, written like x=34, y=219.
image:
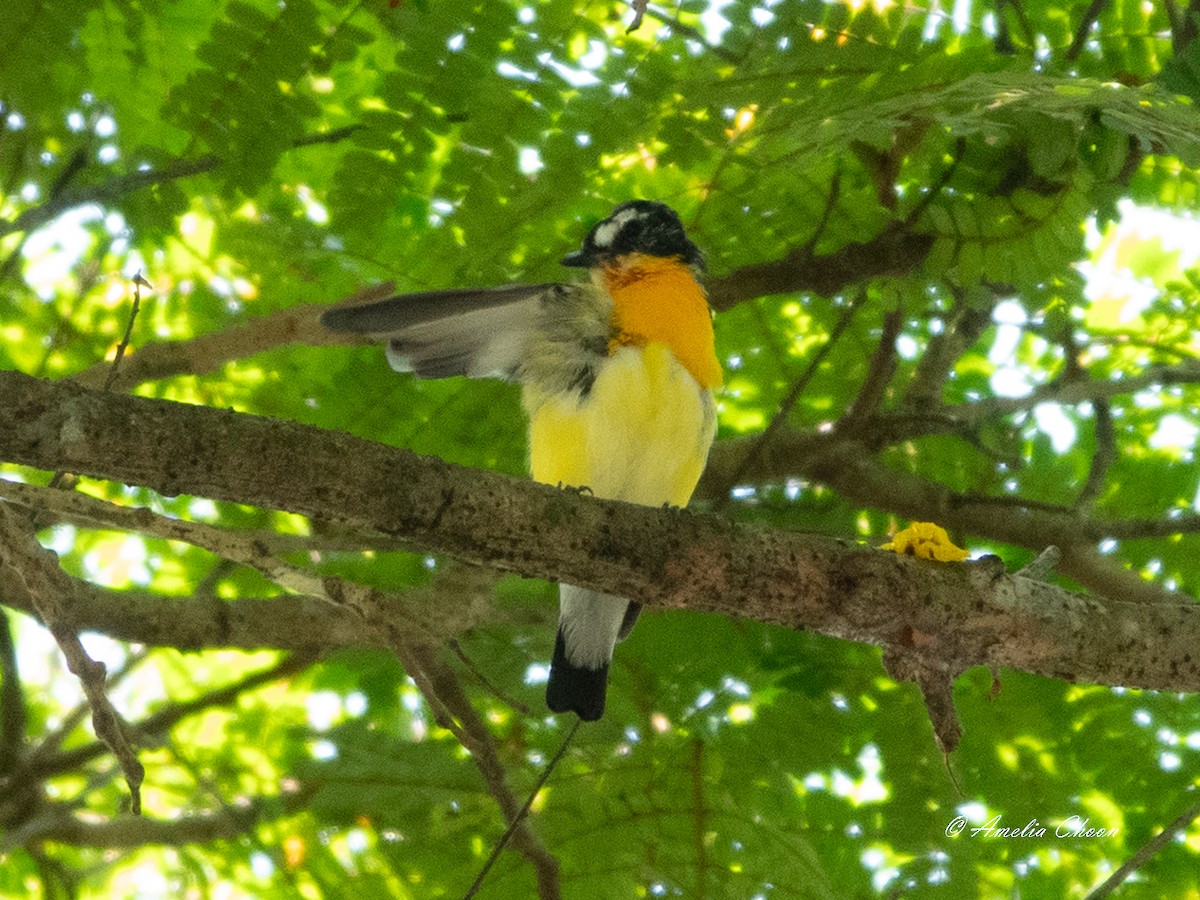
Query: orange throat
x=658, y=301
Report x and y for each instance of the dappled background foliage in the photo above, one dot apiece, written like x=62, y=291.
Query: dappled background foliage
x=951, y=251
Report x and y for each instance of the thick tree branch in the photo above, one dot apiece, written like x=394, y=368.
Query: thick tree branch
x=972, y=613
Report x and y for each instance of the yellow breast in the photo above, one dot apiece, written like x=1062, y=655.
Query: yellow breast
x=640, y=434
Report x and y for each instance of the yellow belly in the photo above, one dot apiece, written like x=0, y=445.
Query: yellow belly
x=641, y=434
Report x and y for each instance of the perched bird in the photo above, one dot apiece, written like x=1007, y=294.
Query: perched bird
x=617, y=379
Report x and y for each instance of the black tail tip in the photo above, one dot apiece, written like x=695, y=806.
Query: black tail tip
x=575, y=689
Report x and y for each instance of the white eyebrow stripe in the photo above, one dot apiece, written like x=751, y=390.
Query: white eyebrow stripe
x=607, y=231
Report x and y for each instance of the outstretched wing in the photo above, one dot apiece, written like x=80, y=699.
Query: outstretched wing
x=480, y=332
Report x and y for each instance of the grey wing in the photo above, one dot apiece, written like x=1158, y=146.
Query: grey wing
x=479, y=332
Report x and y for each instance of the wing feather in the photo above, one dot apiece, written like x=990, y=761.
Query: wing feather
x=439, y=334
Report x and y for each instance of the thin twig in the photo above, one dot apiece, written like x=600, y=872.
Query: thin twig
x=138, y=282
x=56, y=480
x=1147, y=850
x=1085, y=26
x=960, y=147
x=504, y=698
x=1068, y=392
x=107, y=192
x=45, y=762
x=693, y=33
x=879, y=375
x=118, y=187
x=59, y=825
x=1103, y=457
x=793, y=395
x=831, y=199
x=1040, y=568
x=1029, y=32
x=208, y=352
x=248, y=548
x=639, y=13
x=524, y=811
x=441, y=688
x=50, y=588
x=700, y=827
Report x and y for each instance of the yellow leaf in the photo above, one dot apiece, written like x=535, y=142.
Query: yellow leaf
x=925, y=540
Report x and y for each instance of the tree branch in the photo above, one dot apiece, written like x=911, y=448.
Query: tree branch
x=456, y=601
x=50, y=590
x=87, y=511
x=116, y=188
x=442, y=682
x=13, y=714
x=972, y=614
x=1146, y=851
x=894, y=251
x=865, y=406
x=208, y=352
x=1103, y=457
x=1095, y=8
x=789, y=401
x=42, y=765
x=107, y=192
x=972, y=313
x=128, y=831
x=1069, y=392
x=847, y=466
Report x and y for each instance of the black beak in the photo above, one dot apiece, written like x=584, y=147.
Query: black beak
x=580, y=259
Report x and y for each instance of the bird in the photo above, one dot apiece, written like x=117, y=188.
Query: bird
x=618, y=376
